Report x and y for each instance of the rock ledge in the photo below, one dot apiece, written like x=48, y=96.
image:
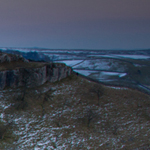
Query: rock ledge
x=30, y=76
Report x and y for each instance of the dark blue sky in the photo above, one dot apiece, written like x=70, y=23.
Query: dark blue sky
x=75, y=24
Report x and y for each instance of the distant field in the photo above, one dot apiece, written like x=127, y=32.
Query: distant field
x=121, y=67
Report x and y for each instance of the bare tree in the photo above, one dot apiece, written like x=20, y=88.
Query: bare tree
x=90, y=116
x=4, y=129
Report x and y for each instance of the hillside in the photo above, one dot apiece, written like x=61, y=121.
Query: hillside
x=74, y=113
x=68, y=115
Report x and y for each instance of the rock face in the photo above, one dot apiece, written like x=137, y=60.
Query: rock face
x=7, y=58
x=33, y=76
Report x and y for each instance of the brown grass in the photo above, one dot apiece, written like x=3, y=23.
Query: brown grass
x=121, y=121
x=17, y=65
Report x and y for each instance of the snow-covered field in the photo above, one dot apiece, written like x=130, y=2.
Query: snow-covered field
x=86, y=72
x=121, y=56
x=132, y=56
x=104, y=74
x=70, y=62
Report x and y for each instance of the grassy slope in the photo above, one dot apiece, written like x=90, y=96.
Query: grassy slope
x=17, y=65
x=69, y=117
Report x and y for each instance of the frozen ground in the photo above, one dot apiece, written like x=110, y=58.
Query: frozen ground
x=120, y=122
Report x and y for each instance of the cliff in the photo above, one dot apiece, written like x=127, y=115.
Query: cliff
x=16, y=71
x=7, y=58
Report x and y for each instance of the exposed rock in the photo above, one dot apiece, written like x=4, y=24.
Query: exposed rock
x=5, y=58
x=34, y=76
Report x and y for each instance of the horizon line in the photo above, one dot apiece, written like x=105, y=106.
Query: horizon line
x=70, y=48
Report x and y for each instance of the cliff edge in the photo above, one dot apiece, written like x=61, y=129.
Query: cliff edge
x=16, y=71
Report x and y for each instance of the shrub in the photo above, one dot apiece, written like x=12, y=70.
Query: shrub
x=3, y=129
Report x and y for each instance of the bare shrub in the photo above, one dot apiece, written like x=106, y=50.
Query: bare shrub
x=98, y=90
x=3, y=129
x=89, y=118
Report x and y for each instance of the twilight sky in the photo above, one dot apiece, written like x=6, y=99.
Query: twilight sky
x=75, y=24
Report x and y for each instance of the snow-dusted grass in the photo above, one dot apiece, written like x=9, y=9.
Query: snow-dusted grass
x=120, y=121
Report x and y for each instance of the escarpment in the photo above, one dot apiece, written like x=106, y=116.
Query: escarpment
x=7, y=58
x=16, y=73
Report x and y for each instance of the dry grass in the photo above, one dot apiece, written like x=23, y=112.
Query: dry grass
x=70, y=112
x=17, y=65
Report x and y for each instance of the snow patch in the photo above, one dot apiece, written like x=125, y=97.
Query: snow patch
x=70, y=62
x=85, y=72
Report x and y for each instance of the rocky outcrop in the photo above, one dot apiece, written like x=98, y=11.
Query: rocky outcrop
x=33, y=76
x=7, y=58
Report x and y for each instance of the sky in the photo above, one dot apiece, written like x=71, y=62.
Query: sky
x=75, y=24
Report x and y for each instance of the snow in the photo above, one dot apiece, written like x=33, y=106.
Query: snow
x=133, y=56
x=122, y=74
x=2, y=115
x=20, y=49
x=118, y=88
x=122, y=56
x=104, y=74
x=94, y=64
x=70, y=62
x=85, y=72
x=73, y=53
x=105, y=56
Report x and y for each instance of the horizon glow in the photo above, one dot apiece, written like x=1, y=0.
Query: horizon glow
x=69, y=24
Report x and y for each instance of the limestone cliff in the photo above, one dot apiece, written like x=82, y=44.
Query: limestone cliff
x=15, y=73
x=7, y=58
